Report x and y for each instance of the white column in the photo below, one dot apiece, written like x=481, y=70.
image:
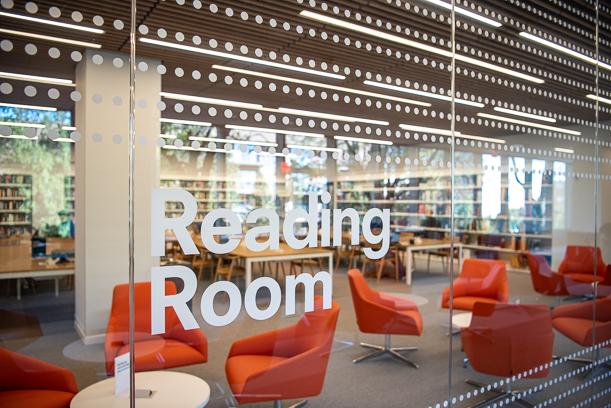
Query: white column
x=101, y=181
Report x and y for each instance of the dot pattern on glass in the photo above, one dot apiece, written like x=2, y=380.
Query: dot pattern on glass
x=6, y=45
x=30, y=91
x=6, y=88
x=96, y=137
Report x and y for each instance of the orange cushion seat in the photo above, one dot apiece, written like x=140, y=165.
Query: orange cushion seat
x=35, y=398
x=584, y=277
x=467, y=302
x=396, y=302
x=163, y=353
x=240, y=368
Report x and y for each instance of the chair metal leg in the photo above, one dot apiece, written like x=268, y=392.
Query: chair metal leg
x=501, y=393
x=379, y=350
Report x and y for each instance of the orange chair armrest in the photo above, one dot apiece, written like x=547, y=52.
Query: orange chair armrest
x=275, y=343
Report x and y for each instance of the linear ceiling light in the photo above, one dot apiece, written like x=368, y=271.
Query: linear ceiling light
x=201, y=149
x=185, y=122
x=63, y=139
x=466, y=13
x=603, y=100
x=424, y=129
x=483, y=139
x=321, y=85
x=34, y=78
x=234, y=141
x=240, y=58
x=332, y=116
x=19, y=137
x=15, y=105
x=414, y=44
x=565, y=50
x=168, y=136
x=532, y=124
x=525, y=115
x=68, y=127
x=422, y=93
x=210, y=100
x=322, y=149
x=563, y=150
x=363, y=140
x=49, y=38
x=280, y=131
x=19, y=124
x=51, y=22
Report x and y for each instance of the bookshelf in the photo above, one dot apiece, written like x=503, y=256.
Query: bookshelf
x=69, y=194
x=15, y=204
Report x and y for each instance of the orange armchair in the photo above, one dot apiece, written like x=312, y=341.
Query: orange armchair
x=286, y=363
x=27, y=382
x=480, y=280
x=384, y=314
x=578, y=264
x=548, y=282
x=577, y=322
x=507, y=340
x=176, y=347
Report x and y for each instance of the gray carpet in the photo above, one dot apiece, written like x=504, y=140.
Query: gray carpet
x=381, y=381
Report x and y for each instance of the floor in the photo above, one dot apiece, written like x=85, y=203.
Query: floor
x=381, y=381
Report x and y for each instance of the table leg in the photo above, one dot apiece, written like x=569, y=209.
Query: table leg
x=18, y=288
x=248, y=276
x=56, y=287
x=408, y=269
x=330, y=256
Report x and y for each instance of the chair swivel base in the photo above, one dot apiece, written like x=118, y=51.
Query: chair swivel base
x=300, y=404
x=589, y=373
x=387, y=349
x=501, y=393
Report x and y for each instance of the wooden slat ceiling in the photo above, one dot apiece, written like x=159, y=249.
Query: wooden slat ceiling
x=186, y=19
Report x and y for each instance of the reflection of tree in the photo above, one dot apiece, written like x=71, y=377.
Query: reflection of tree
x=47, y=161
x=186, y=161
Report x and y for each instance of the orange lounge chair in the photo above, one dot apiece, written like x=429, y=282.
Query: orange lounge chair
x=480, y=280
x=578, y=264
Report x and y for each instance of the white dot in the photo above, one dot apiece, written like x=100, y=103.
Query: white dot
x=196, y=144
x=197, y=4
x=244, y=49
x=229, y=12
x=54, y=53
x=143, y=66
x=5, y=131
x=244, y=82
x=178, y=143
x=243, y=115
x=117, y=101
x=96, y=137
x=272, y=55
x=77, y=16
x=180, y=37
x=196, y=75
x=7, y=4
x=75, y=96
x=161, y=33
x=142, y=104
x=98, y=20
x=179, y=108
x=214, y=8
x=196, y=110
x=212, y=111
x=6, y=45
x=229, y=46
x=161, y=69
x=179, y=72
x=117, y=139
x=259, y=19
x=31, y=7
x=142, y=141
x=244, y=15
x=31, y=49
x=197, y=40
x=212, y=77
x=160, y=142
x=117, y=62
x=213, y=43
x=76, y=136
x=144, y=30
x=54, y=12
x=97, y=59
x=228, y=80
x=161, y=105
x=76, y=56
x=29, y=90
x=6, y=88
x=212, y=146
x=228, y=113
x=118, y=24
x=53, y=134
x=53, y=93
x=258, y=117
x=97, y=98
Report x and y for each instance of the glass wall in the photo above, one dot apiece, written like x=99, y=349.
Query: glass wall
x=309, y=203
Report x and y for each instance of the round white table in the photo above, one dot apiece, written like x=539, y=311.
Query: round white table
x=462, y=320
x=418, y=300
x=170, y=389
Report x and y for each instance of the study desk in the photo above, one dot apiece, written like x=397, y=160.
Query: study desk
x=425, y=244
x=16, y=263
x=284, y=253
x=170, y=389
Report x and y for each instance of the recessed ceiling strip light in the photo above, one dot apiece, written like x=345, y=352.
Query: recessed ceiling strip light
x=422, y=93
x=34, y=78
x=19, y=137
x=240, y=58
x=49, y=38
x=27, y=125
x=168, y=136
x=69, y=128
x=280, y=131
x=63, y=139
x=563, y=150
x=424, y=129
x=210, y=100
x=525, y=115
x=332, y=116
x=320, y=85
x=322, y=149
x=414, y=44
x=565, y=50
x=603, y=100
x=185, y=122
x=203, y=149
x=363, y=140
x=483, y=139
x=465, y=12
x=531, y=124
x=234, y=141
x=42, y=108
x=51, y=22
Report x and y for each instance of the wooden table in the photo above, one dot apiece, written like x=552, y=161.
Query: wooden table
x=170, y=389
x=284, y=253
x=426, y=244
x=16, y=263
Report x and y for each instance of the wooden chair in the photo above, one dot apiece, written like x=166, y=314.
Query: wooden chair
x=443, y=253
x=227, y=267
x=204, y=259
x=305, y=262
x=404, y=237
x=391, y=256
x=347, y=250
